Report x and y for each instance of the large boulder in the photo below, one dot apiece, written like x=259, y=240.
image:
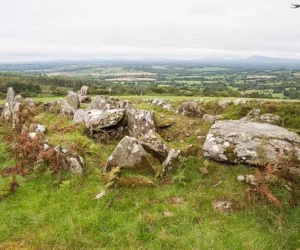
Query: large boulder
x=254, y=116
x=191, y=108
x=98, y=119
x=140, y=122
x=172, y=161
x=251, y=143
x=129, y=155
x=105, y=125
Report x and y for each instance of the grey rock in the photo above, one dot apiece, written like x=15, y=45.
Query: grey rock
x=130, y=155
x=254, y=116
x=73, y=100
x=66, y=109
x=154, y=145
x=96, y=120
x=250, y=143
x=191, y=108
x=84, y=91
x=79, y=116
x=162, y=103
x=172, y=161
x=224, y=103
x=8, y=106
x=140, y=122
x=70, y=161
x=209, y=118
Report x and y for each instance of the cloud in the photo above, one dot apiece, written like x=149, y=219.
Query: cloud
x=40, y=29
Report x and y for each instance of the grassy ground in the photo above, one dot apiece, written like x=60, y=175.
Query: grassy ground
x=46, y=214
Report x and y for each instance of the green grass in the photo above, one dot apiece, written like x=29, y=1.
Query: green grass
x=46, y=214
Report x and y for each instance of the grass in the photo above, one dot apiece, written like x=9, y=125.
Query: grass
x=46, y=214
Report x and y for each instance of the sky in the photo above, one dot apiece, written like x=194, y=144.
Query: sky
x=38, y=30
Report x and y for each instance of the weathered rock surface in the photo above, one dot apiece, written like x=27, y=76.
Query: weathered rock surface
x=254, y=116
x=70, y=160
x=8, y=106
x=73, y=100
x=224, y=103
x=130, y=155
x=71, y=105
x=84, y=94
x=140, y=122
x=105, y=103
x=209, y=118
x=79, y=116
x=191, y=108
x=172, y=161
x=98, y=119
x=154, y=145
x=251, y=143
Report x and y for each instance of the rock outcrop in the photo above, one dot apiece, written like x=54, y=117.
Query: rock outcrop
x=251, y=143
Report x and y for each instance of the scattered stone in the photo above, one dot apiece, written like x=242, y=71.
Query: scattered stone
x=79, y=116
x=8, y=106
x=165, y=123
x=191, y=108
x=223, y=206
x=240, y=178
x=217, y=184
x=101, y=194
x=154, y=145
x=167, y=214
x=239, y=101
x=224, y=103
x=70, y=161
x=254, y=116
x=172, y=161
x=73, y=100
x=251, y=143
x=140, y=122
x=209, y=118
x=162, y=103
x=129, y=154
x=84, y=94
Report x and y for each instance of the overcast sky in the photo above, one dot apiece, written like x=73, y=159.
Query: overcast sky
x=175, y=29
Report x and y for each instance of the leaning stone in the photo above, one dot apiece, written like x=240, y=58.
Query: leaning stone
x=154, y=145
x=129, y=155
x=172, y=161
